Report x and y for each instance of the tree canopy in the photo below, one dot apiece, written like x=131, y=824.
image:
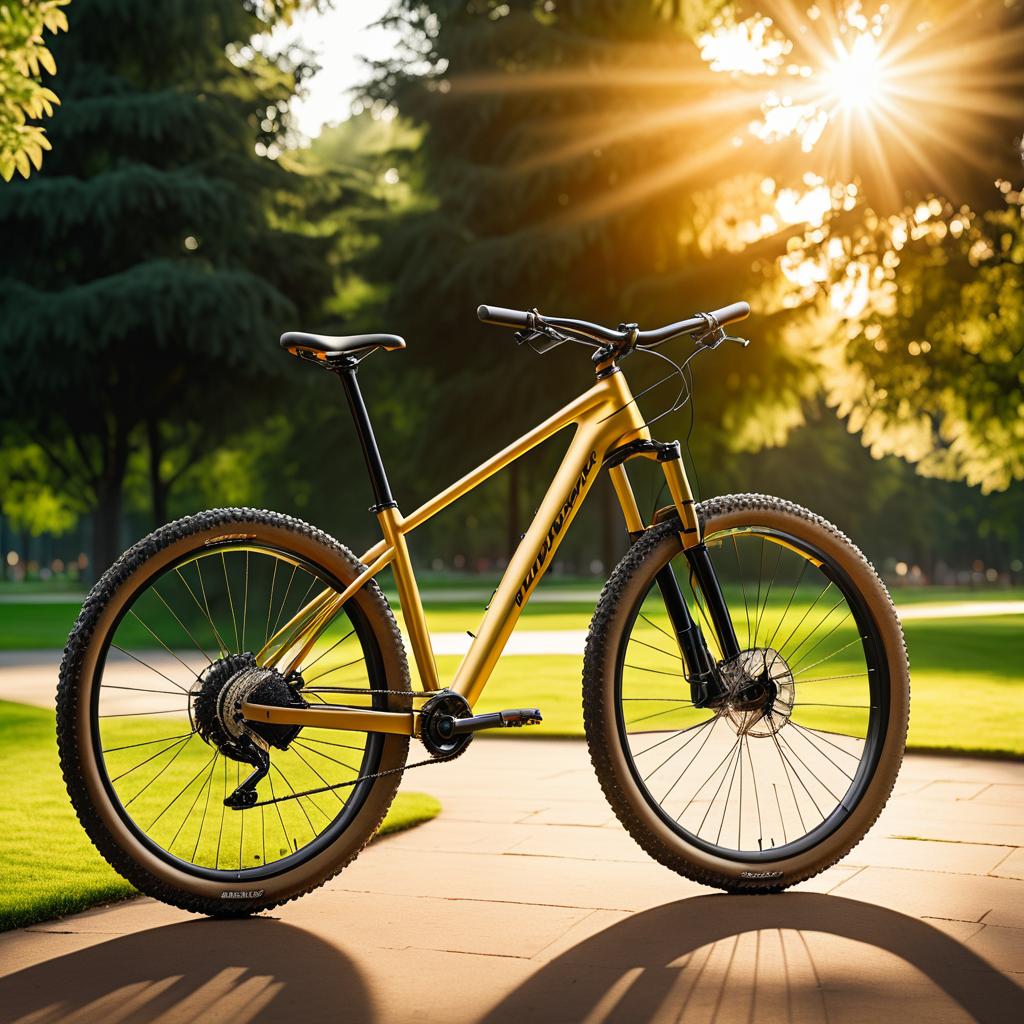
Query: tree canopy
x=160, y=251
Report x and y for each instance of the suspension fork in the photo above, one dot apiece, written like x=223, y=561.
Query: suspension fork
x=706, y=687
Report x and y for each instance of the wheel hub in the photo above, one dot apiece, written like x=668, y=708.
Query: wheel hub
x=760, y=692
x=219, y=693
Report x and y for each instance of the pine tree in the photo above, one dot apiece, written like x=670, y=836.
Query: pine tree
x=149, y=268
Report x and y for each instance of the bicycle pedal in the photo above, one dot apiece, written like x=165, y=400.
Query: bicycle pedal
x=513, y=718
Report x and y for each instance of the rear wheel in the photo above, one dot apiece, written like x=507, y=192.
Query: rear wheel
x=151, y=744
x=758, y=793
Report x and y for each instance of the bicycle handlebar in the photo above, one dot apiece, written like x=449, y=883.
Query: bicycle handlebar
x=709, y=322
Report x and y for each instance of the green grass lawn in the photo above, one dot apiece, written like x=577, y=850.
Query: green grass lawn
x=967, y=687
x=49, y=866
x=967, y=675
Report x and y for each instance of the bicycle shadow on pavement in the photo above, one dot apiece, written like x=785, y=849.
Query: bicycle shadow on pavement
x=240, y=971
x=797, y=957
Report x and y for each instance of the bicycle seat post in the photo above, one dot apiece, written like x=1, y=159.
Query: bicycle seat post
x=386, y=509
x=346, y=370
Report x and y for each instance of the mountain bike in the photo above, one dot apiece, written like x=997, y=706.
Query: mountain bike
x=235, y=706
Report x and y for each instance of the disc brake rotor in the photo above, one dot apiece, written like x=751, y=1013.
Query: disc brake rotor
x=761, y=692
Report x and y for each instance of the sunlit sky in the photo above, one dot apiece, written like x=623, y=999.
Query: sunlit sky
x=340, y=38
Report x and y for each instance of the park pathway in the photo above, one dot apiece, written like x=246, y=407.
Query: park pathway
x=525, y=901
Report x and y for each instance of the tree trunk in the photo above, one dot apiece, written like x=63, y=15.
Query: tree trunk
x=106, y=518
x=158, y=487
x=106, y=527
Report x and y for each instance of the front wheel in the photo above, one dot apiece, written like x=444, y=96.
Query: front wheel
x=738, y=797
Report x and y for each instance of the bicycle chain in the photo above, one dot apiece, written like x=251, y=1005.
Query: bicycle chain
x=372, y=775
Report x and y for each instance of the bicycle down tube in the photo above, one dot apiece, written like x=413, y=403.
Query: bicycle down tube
x=606, y=419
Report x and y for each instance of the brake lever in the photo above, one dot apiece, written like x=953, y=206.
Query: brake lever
x=712, y=339
x=541, y=339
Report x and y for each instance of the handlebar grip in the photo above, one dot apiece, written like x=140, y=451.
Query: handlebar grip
x=503, y=317
x=731, y=314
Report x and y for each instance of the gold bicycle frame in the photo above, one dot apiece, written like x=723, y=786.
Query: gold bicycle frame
x=606, y=417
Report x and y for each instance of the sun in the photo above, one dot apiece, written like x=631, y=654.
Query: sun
x=855, y=76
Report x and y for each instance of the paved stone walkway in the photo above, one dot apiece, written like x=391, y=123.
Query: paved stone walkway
x=525, y=901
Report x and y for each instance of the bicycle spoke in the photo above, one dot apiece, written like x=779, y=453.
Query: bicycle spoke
x=332, y=743
x=241, y=817
x=818, y=734
x=337, y=668
x=728, y=792
x=743, y=588
x=270, y=607
x=650, y=622
x=789, y=604
x=211, y=764
x=320, y=753
x=757, y=798
x=144, y=743
x=803, y=618
x=820, y=640
x=668, y=654
x=202, y=822
x=284, y=600
x=223, y=812
x=658, y=671
x=139, y=689
x=142, y=714
x=656, y=714
x=334, y=792
x=700, y=789
x=145, y=664
x=174, y=757
x=703, y=742
x=205, y=611
x=835, y=796
x=768, y=593
x=337, y=643
x=231, y=600
x=166, y=648
x=828, y=679
x=163, y=750
x=245, y=598
x=806, y=737
x=195, y=643
x=206, y=605
x=812, y=704
x=693, y=728
x=845, y=647
x=179, y=794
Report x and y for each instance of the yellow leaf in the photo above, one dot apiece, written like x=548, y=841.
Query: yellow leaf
x=46, y=59
x=21, y=161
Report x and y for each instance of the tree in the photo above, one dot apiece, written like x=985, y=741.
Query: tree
x=159, y=253
x=911, y=282
x=23, y=98
x=569, y=149
x=640, y=160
